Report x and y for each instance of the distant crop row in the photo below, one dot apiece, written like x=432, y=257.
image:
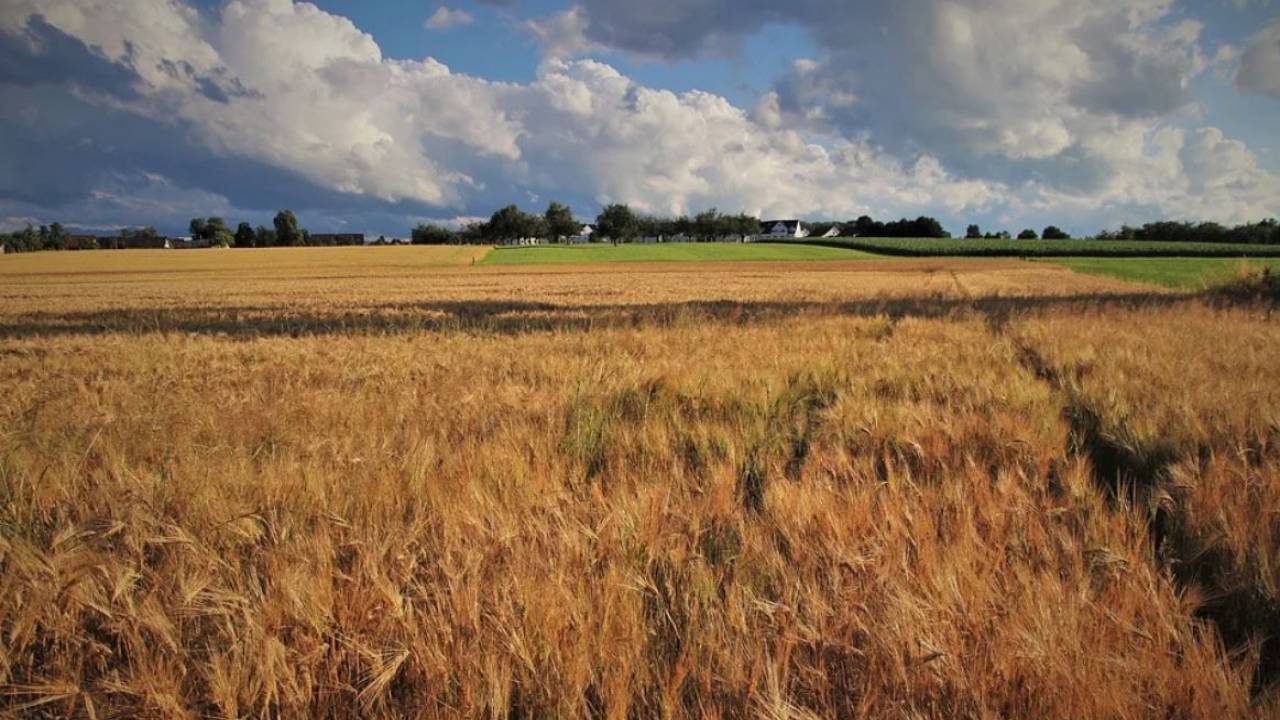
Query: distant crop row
x=928, y=247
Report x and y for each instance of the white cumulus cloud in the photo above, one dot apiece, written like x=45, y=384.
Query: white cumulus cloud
x=444, y=18
x=1000, y=106
x=1260, y=63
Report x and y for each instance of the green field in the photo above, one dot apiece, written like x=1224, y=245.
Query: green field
x=668, y=252
x=1192, y=273
x=928, y=247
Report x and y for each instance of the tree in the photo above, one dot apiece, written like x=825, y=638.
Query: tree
x=682, y=226
x=58, y=236
x=1053, y=233
x=52, y=237
x=211, y=230
x=973, y=232
x=264, y=237
x=475, y=233
x=1027, y=234
x=245, y=236
x=24, y=240
x=707, y=225
x=922, y=227
x=560, y=222
x=536, y=226
x=427, y=234
x=618, y=223
x=745, y=226
x=511, y=223
x=287, y=232
x=864, y=226
x=217, y=232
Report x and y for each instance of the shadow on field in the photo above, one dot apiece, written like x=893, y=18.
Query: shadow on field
x=1135, y=474
x=518, y=317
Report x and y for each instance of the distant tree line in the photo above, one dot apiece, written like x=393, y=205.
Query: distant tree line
x=615, y=223
x=921, y=227
x=1259, y=233
x=285, y=232
x=48, y=237
x=1051, y=232
x=206, y=231
x=132, y=237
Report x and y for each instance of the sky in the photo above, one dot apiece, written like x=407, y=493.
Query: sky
x=373, y=117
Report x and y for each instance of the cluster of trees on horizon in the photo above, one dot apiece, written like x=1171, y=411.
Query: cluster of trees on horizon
x=619, y=223
x=211, y=231
x=285, y=232
x=1265, y=232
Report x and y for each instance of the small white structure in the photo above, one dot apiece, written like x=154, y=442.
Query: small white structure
x=774, y=229
x=583, y=236
x=520, y=242
x=833, y=232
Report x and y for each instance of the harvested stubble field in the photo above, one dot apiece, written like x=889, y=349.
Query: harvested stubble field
x=911, y=489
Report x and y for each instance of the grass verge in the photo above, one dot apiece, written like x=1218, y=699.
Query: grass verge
x=955, y=247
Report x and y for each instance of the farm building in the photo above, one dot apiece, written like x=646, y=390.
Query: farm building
x=832, y=232
x=135, y=242
x=82, y=242
x=783, y=229
x=521, y=242
x=583, y=236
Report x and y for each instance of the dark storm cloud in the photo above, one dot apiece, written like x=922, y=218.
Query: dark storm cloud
x=44, y=55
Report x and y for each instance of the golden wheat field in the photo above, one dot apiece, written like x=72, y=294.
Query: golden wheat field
x=387, y=482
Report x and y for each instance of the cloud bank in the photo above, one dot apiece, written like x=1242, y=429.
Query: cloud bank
x=1044, y=108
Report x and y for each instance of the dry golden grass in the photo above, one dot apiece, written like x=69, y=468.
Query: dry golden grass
x=665, y=492
x=1185, y=418
x=379, y=290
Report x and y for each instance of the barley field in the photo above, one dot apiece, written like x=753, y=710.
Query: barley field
x=397, y=482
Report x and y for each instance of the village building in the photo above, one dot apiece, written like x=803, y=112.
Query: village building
x=774, y=229
x=82, y=242
x=187, y=243
x=136, y=242
x=583, y=236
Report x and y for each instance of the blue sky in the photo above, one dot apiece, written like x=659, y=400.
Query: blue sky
x=361, y=116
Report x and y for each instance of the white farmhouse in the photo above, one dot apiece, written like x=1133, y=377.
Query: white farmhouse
x=774, y=229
